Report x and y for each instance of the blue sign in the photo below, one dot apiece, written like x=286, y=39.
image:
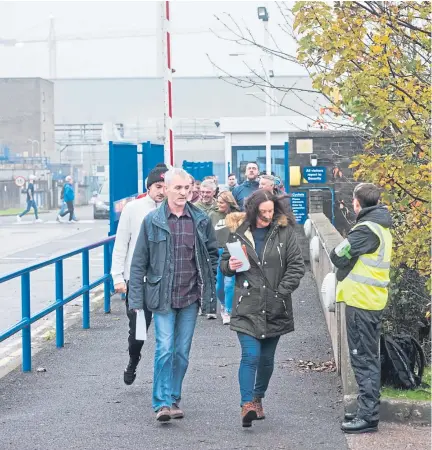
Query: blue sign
x=315, y=174
x=299, y=206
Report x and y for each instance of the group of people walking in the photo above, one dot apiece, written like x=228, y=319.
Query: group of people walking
x=67, y=197
x=171, y=260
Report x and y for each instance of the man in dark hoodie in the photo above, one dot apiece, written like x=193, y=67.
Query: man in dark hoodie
x=363, y=263
x=249, y=186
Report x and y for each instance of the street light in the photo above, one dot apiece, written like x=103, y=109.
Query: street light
x=34, y=141
x=263, y=14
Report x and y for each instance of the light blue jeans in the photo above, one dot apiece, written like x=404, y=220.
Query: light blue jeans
x=224, y=287
x=174, y=332
x=64, y=208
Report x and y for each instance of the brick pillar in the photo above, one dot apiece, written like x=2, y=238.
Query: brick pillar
x=315, y=202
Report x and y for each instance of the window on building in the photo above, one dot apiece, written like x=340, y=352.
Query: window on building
x=43, y=97
x=44, y=136
x=43, y=117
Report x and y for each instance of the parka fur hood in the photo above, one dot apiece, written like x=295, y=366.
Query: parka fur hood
x=235, y=220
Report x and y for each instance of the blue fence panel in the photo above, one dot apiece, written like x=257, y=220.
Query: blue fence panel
x=24, y=325
x=198, y=170
x=123, y=176
x=152, y=154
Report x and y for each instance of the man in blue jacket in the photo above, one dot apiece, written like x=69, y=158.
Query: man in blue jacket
x=249, y=186
x=68, y=197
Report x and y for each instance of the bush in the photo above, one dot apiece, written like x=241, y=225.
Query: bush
x=408, y=304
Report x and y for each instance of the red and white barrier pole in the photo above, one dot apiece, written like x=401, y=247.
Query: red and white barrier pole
x=168, y=114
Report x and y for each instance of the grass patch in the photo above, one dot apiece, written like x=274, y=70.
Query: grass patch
x=11, y=211
x=424, y=394
x=16, y=211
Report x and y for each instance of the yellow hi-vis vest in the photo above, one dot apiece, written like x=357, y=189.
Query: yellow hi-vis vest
x=365, y=287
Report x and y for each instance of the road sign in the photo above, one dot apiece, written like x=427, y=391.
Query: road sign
x=20, y=181
x=299, y=206
x=315, y=174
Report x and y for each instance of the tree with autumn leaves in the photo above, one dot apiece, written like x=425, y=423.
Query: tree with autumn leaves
x=372, y=61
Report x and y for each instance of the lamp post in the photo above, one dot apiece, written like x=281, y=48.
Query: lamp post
x=268, y=63
x=34, y=141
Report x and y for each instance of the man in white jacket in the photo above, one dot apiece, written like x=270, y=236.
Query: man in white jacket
x=127, y=233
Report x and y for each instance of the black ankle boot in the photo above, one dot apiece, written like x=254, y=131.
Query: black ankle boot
x=130, y=371
x=358, y=426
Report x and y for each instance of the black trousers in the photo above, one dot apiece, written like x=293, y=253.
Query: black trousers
x=69, y=211
x=134, y=345
x=363, y=332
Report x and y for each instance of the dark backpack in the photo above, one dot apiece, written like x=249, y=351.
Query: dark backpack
x=402, y=361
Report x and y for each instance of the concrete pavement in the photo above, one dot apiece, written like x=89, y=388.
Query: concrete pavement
x=81, y=402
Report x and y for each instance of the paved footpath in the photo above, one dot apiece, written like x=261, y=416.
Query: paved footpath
x=80, y=402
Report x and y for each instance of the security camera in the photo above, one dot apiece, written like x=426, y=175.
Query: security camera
x=314, y=160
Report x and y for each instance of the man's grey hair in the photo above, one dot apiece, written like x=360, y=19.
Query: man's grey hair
x=209, y=184
x=68, y=178
x=175, y=172
x=268, y=177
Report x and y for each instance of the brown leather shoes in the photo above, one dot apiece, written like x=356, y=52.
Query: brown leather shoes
x=248, y=414
x=176, y=412
x=259, y=408
x=163, y=415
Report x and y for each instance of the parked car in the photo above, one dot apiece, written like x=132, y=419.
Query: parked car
x=101, y=207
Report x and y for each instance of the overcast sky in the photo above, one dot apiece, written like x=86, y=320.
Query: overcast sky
x=131, y=57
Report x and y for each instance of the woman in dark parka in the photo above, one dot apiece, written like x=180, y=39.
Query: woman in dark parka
x=262, y=309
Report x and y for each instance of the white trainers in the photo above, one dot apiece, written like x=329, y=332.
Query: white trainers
x=58, y=218
x=226, y=318
x=38, y=221
x=211, y=316
x=18, y=219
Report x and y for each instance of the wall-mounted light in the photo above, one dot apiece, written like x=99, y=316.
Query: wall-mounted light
x=313, y=160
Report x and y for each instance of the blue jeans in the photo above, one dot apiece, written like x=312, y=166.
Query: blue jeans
x=65, y=208
x=174, y=331
x=224, y=288
x=30, y=204
x=256, y=366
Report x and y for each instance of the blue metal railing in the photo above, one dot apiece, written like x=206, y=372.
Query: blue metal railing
x=27, y=319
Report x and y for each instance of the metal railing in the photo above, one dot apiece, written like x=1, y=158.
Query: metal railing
x=27, y=319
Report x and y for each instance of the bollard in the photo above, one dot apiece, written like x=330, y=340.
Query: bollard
x=107, y=282
x=59, y=299
x=86, y=295
x=25, y=314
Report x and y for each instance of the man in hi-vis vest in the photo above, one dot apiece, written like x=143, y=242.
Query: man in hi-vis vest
x=363, y=263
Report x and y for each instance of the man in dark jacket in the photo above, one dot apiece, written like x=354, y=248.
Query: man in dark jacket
x=249, y=186
x=173, y=270
x=262, y=309
x=207, y=203
x=363, y=262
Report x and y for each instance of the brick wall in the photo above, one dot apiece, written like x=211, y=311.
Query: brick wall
x=335, y=150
